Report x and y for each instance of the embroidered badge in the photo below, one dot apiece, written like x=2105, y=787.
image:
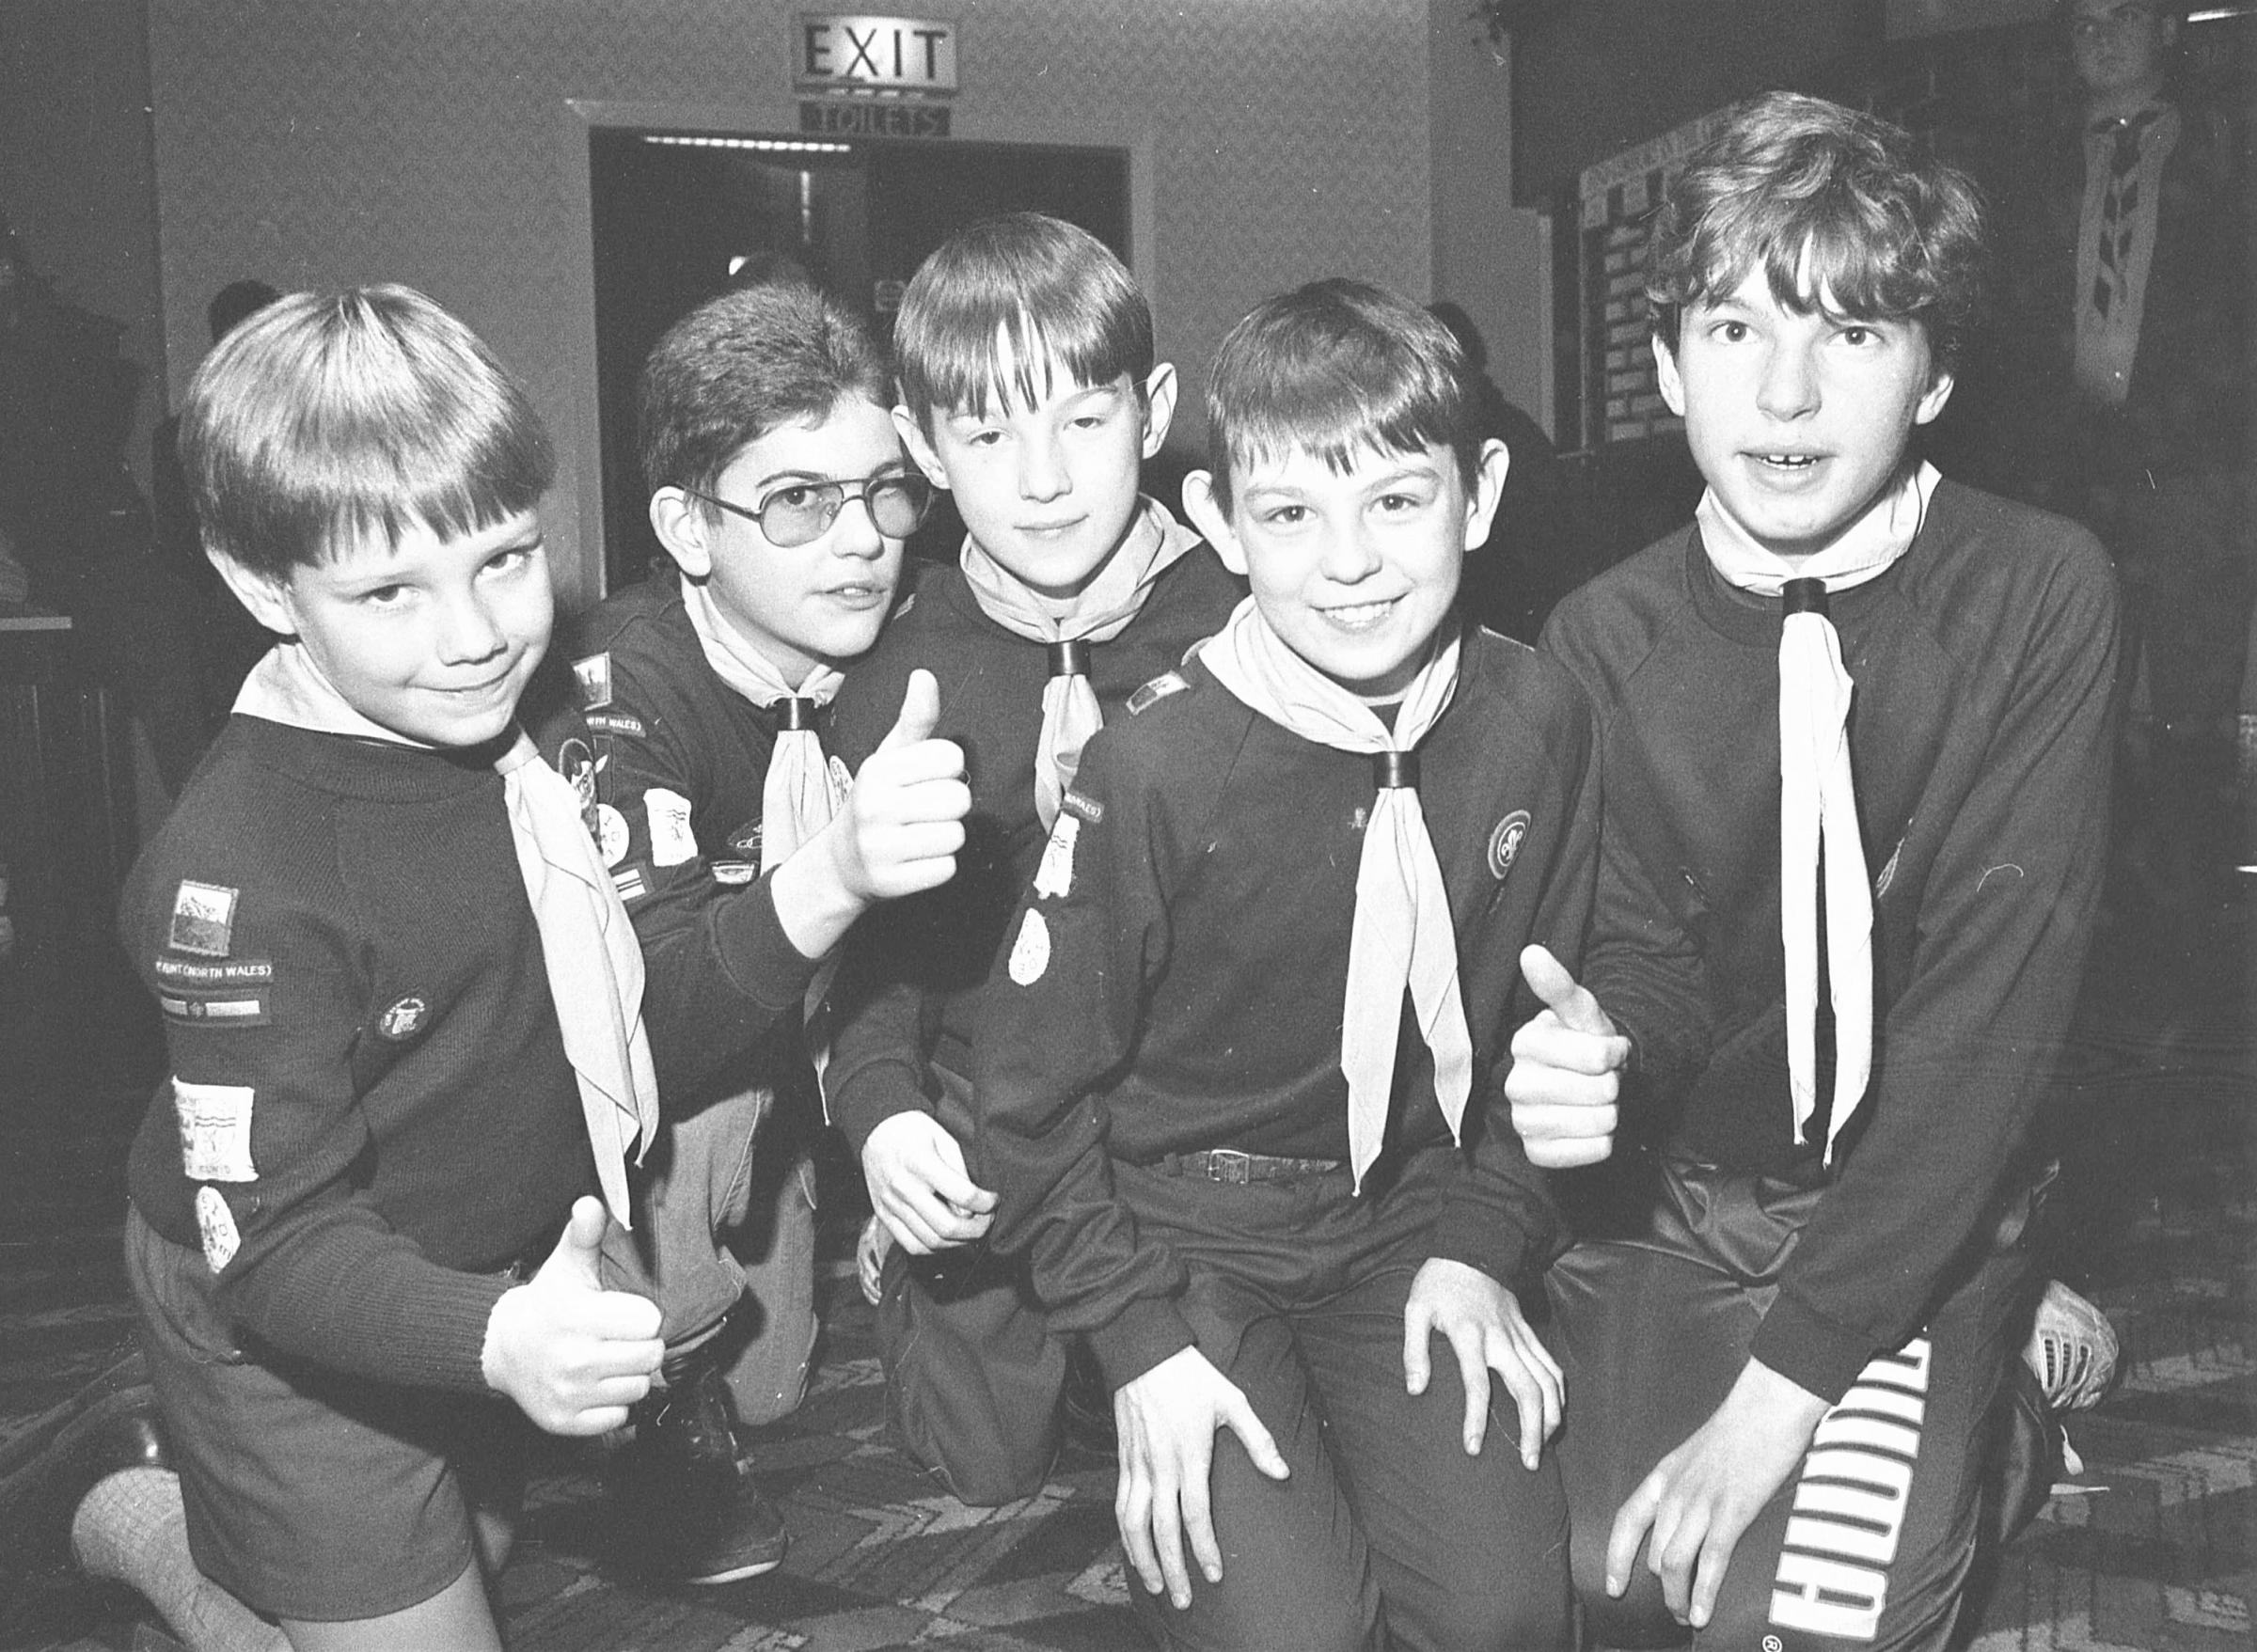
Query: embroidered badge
x=403, y=1019
x=611, y=834
x=216, y=1223
x=250, y=1012
x=1055, y=877
x=191, y=975
x=215, y=1131
x=1088, y=808
x=615, y=722
x=630, y=884
x=746, y=840
x=1505, y=842
x=841, y=780
x=1030, y=951
x=672, y=841
x=734, y=871
x=593, y=675
x=1152, y=693
x=203, y=919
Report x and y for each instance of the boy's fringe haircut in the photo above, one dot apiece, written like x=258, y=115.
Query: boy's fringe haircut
x=1033, y=292
x=1337, y=368
x=1837, y=209
x=740, y=365
x=330, y=419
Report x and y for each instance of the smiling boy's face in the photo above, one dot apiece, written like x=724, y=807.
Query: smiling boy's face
x=1355, y=571
x=432, y=638
x=1049, y=491
x=1797, y=422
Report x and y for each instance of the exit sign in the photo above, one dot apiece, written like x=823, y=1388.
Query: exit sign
x=855, y=51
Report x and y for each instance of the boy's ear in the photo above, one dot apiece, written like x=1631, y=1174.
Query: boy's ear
x=1207, y=516
x=267, y=598
x=1160, y=405
x=1931, y=403
x=682, y=527
x=911, y=431
x=1665, y=370
x=1490, y=470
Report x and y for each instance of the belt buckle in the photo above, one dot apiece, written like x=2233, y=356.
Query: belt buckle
x=1228, y=1164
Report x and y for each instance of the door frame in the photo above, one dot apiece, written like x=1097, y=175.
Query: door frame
x=755, y=118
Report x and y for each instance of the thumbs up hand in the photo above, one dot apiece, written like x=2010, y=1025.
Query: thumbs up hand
x=897, y=834
x=906, y=819
x=1566, y=1074
x=572, y=1355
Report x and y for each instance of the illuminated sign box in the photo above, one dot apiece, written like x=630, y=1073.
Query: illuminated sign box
x=857, y=52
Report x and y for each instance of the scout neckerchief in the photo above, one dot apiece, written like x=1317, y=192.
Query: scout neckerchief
x=593, y=961
x=797, y=797
x=1403, y=937
x=1070, y=713
x=2116, y=243
x=1818, y=798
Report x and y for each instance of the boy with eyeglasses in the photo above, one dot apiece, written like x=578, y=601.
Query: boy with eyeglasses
x=780, y=492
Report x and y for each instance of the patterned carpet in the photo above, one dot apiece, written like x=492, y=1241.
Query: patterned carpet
x=2153, y=1547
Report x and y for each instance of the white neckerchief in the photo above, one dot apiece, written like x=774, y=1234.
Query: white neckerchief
x=798, y=796
x=1403, y=937
x=1817, y=797
x=593, y=961
x=1098, y=613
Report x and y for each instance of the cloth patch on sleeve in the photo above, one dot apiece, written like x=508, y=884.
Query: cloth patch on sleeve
x=215, y=1131
x=1030, y=951
x=672, y=841
x=214, y=1011
x=203, y=919
x=593, y=675
x=734, y=872
x=610, y=834
x=1081, y=803
x=190, y=976
x=1055, y=877
x=1152, y=693
x=841, y=780
x=1505, y=842
x=216, y=1223
x=615, y=722
x=630, y=883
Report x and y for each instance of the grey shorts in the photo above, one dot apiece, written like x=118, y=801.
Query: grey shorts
x=311, y=1494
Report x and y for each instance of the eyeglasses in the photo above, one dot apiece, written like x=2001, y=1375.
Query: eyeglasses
x=801, y=512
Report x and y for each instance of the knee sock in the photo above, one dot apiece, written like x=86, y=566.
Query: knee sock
x=132, y=1529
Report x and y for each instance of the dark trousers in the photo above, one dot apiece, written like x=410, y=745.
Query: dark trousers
x=1869, y=1546
x=1387, y=1534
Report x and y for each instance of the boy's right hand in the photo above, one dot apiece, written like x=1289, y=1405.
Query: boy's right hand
x=905, y=821
x=572, y=1355
x=1566, y=1074
x=1167, y=1419
x=919, y=1186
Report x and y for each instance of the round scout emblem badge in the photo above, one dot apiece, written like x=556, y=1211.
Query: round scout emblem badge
x=402, y=1019
x=1505, y=842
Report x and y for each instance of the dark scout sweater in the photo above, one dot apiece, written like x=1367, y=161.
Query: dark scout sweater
x=670, y=761
x=359, y=1027
x=909, y=994
x=1980, y=733
x=1176, y=976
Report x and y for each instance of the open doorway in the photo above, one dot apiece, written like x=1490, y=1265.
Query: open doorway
x=678, y=216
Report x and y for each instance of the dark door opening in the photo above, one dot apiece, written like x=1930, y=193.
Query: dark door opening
x=679, y=216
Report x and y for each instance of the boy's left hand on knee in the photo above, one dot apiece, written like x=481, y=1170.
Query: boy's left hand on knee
x=1488, y=1332
x=1702, y=1496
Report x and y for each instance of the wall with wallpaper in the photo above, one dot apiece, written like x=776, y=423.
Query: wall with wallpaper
x=325, y=141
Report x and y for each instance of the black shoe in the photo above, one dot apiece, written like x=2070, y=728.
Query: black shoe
x=110, y=1425
x=687, y=1511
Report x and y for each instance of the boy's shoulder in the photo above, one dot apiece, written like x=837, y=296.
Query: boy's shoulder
x=644, y=627
x=1502, y=676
